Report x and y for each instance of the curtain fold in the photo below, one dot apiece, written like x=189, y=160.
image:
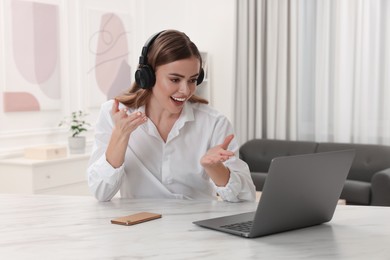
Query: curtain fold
x=247, y=115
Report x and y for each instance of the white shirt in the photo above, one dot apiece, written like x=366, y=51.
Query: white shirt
x=157, y=169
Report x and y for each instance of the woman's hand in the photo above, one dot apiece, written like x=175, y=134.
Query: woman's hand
x=125, y=124
x=217, y=154
x=213, y=160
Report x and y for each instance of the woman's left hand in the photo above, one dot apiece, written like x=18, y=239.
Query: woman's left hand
x=218, y=154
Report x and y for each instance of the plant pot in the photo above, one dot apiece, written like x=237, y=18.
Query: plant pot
x=77, y=144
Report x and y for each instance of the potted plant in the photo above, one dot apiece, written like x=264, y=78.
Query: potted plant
x=77, y=124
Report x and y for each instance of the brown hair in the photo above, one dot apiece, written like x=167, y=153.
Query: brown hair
x=169, y=46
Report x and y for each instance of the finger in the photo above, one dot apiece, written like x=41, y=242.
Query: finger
x=227, y=141
x=139, y=120
x=211, y=160
x=115, y=106
x=136, y=114
x=224, y=158
x=136, y=118
x=226, y=153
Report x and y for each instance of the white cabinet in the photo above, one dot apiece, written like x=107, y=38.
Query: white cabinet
x=65, y=176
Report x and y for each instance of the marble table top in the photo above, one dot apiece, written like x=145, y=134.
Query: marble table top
x=70, y=227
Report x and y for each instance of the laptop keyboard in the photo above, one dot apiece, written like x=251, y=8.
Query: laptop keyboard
x=241, y=227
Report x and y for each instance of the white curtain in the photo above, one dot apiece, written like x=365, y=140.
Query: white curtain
x=266, y=77
x=321, y=71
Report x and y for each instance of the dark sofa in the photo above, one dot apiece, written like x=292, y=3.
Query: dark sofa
x=368, y=181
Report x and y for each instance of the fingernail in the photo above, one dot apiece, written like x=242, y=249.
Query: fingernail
x=138, y=113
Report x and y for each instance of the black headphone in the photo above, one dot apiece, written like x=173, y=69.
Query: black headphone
x=144, y=75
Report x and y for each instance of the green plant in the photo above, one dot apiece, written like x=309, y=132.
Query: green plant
x=76, y=122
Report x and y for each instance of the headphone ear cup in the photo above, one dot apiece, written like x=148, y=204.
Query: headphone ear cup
x=200, y=77
x=144, y=77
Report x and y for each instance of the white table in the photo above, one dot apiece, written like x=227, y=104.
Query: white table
x=67, y=227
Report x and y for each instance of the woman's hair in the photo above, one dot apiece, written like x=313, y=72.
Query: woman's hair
x=169, y=46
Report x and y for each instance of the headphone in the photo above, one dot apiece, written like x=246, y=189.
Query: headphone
x=144, y=75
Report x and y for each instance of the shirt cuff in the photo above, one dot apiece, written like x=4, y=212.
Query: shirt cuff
x=231, y=190
x=108, y=173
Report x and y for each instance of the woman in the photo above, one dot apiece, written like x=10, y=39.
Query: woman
x=160, y=140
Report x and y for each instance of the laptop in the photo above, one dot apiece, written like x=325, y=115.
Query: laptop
x=300, y=191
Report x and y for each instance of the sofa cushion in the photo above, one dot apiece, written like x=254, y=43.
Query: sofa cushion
x=369, y=159
x=259, y=179
x=356, y=192
x=258, y=153
x=380, y=187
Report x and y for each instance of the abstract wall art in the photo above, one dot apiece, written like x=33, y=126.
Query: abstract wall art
x=32, y=78
x=108, y=71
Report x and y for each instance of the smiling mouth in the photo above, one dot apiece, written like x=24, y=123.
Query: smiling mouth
x=176, y=99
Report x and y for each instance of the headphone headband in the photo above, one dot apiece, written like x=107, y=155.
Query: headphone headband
x=143, y=59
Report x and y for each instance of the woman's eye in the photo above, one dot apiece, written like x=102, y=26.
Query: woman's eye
x=193, y=80
x=175, y=80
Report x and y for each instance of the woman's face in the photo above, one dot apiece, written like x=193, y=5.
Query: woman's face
x=175, y=84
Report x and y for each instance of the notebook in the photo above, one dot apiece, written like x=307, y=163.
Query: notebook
x=300, y=191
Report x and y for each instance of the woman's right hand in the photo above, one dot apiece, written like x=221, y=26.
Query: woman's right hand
x=124, y=125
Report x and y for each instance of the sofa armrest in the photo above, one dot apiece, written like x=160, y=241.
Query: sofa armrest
x=381, y=188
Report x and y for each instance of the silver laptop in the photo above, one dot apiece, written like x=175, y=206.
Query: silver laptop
x=299, y=191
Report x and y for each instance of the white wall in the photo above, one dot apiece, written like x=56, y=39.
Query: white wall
x=210, y=24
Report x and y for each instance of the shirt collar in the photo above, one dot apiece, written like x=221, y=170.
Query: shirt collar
x=141, y=109
x=186, y=115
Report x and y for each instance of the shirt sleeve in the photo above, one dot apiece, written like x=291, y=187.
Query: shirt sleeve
x=103, y=179
x=240, y=186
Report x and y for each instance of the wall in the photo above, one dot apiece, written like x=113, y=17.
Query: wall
x=210, y=24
